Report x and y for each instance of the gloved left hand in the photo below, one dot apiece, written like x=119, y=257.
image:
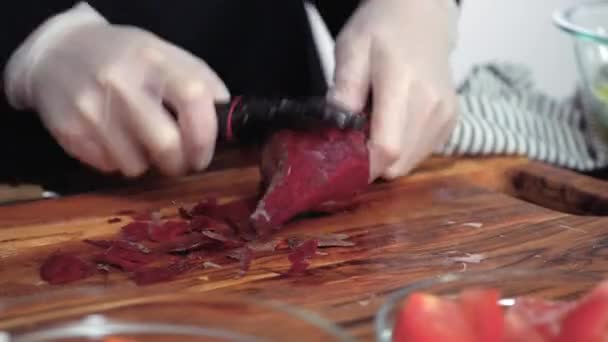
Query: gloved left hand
x=399, y=49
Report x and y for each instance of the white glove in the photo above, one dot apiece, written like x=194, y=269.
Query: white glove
x=100, y=88
x=399, y=49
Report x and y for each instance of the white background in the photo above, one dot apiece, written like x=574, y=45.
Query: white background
x=518, y=31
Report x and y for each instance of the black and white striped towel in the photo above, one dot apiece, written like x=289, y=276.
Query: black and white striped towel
x=502, y=114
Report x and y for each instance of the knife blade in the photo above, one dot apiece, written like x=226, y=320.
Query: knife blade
x=246, y=118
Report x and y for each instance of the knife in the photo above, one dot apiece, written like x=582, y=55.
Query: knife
x=246, y=118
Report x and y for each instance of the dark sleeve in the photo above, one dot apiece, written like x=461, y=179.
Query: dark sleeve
x=336, y=13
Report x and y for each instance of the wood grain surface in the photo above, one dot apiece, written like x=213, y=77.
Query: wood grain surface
x=450, y=216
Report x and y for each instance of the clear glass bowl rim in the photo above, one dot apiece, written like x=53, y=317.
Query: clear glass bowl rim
x=98, y=324
x=562, y=18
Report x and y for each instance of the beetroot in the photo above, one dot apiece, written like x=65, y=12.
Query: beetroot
x=63, y=268
x=304, y=170
x=200, y=223
x=244, y=256
x=135, y=231
x=167, y=231
x=123, y=244
x=125, y=257
x=186, y=243
x=301, y=254
x=151, y=275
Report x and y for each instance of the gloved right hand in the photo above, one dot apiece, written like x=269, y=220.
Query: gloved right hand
x=100, y=90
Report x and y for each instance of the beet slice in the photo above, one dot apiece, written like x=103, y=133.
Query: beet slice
x=62, y=268
x=152, y=275
x=228, y=241
x=302, y=170
x=206, y=223
x=235, y=213
x=186, y=243
x=124, y=256
x=135, y=231
x=167, y=231
x=301, y=254
x=244, y=256
x=207, y=207
x=184, y=213
x=99, y=243
x=128, y=245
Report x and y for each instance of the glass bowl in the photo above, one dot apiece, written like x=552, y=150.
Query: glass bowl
x=587, y=24
x=555, y=285
x=173, y=317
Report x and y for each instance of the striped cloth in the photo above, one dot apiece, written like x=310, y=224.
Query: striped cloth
x=502, y=114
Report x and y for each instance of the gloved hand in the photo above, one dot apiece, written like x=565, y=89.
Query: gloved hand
x=100, y=88
x=399, y=49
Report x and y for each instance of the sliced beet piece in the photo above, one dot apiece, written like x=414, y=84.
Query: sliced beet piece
x=206, y=207
x=125, y=257
x=167, y=231
x=227, y=241
x=301, y=254
x=128, y=245
x=135, y=231
x=184, y=213
x=151, y=275
x=298, y=267
x=99, y=243
x=186, y=243
x=301, y=170
x=62, y=268
x=235, y=213
x=244, y=256
x=206, y=223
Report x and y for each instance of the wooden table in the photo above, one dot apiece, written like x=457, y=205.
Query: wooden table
x=507, y=212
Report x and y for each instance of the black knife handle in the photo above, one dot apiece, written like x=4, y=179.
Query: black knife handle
x=250, y=118
x=227, y=115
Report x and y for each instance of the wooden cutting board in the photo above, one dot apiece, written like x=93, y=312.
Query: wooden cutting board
x=451, y=215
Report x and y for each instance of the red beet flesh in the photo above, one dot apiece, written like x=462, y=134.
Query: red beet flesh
x=301, y=172
x=309, y=171
x=64, y=268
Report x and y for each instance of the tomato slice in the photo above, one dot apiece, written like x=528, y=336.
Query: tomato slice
x=517, y=329
x=428, y=318
x=588, y=320
x=483, y=313
x=545, y=316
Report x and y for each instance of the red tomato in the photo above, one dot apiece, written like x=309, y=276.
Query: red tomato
x=428, y=318
x=588, y=320
x=518, y=330
x=483, y=313
x=545, y=316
